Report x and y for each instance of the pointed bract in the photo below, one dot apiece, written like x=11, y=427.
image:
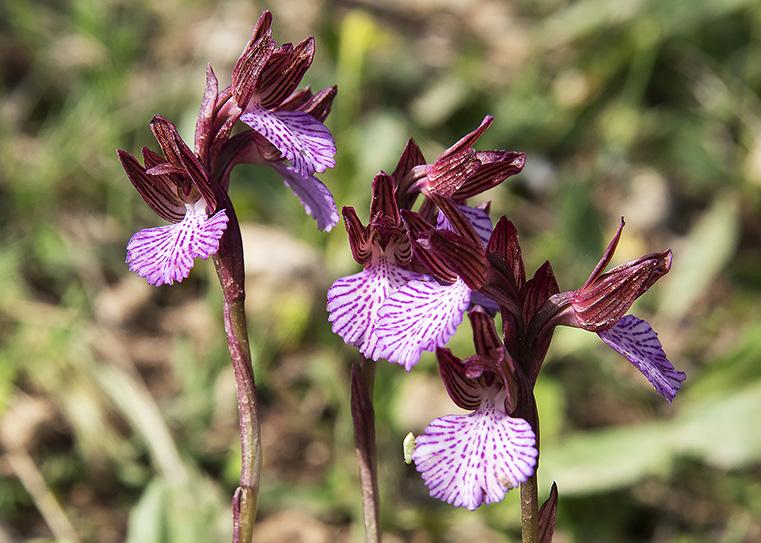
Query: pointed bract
x=547, y=516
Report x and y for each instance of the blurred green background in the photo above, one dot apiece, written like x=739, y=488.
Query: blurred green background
x=117, y=399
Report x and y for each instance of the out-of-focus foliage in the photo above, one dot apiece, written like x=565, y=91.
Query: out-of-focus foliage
x=117, y=398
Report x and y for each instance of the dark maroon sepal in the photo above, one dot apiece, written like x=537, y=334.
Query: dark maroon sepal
x=426, y=260
x=296, y=100
x=222, y=135
x=456, y=219
x=496, y=167
x=248, y=68
x=469, y=139
x=601, y=303
x=283, y=71
x=463, y=256
x=449, y=173
x=383, y=206
x=464, y=391
x=197, y=172
x=159, y=192
x=504, y=245
x=359, y=241
x=318, y=106
x=455, y=165
x=538, y=290
x=205, y=121
x=164, y=132
x=547, y=516
x=485, y=335
x=404, y=176
x=607, y=256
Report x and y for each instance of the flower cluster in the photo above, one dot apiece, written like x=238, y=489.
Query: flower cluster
x=188, y=188
x=424, y=269
x=421, y=268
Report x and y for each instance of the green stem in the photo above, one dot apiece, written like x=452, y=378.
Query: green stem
x=363, y=416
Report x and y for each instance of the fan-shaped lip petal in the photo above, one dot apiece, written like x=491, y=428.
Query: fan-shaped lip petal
x=636, y=340
x=165, y=254
x=420, y=315
x=302, y=139
x=354, y=301
x=471, y=460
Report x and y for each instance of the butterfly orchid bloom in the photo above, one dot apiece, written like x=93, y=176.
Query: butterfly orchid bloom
x=471, y=460
x=287, y=133
x=601, y=304
x=179, y=189
x=421, y=268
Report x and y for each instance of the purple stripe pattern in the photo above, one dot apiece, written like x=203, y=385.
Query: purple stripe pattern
x=314, y=195
x=354, y=301
x=471, y=460
x=478, y=217
x=419, y=316
x=636, y=340
x=165, y=254
x=302, y=139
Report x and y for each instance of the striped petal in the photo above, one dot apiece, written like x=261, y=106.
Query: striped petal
x=314, y=195
x=477, y=216
x=353, y=301
x=471, y=460
x=420, y=316
x=165, y=254
x=637, y=342
x=302, y=139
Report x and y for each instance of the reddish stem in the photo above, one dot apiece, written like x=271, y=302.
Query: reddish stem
x=363, y=416
x=229, y=265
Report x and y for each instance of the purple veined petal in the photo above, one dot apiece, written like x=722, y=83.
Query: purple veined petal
x=302, y=139
x=353, y=301
x=165, y=254
x=419, y=316
x=471, y=460
x=637, y=342
x=478, y=217
x=314, y=195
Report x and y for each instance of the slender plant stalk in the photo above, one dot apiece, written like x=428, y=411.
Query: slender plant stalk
x=529, y=511
x=229, y=265
x=363, y=416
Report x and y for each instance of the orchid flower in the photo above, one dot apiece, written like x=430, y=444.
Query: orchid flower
x=600, y=306
x=471, y=460
x=178, y=188
x=421, y=268
x=288, y=130
x=391, y=309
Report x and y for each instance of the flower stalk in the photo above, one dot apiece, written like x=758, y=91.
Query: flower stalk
x=529, y=511
x=363, y=418
x=229, y=265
